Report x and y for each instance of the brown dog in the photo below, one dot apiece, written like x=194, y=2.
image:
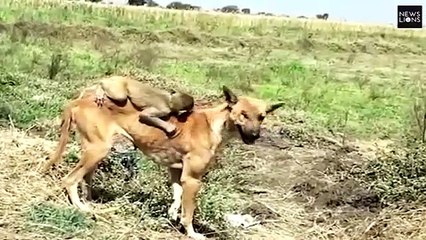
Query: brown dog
x=187, y=156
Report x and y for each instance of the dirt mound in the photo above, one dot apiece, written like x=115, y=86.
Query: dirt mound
x=61, y=32
x=313, y=187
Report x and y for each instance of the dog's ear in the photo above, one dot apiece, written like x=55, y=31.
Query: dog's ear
x=273, y=107
x=230, y=97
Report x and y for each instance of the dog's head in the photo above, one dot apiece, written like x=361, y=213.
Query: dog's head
x=247, y=114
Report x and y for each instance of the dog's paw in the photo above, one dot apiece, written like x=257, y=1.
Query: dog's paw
x=197, y=236
x=83, y=207
x=173, y=213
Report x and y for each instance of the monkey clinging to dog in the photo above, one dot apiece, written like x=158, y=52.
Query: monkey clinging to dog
x=154, y=102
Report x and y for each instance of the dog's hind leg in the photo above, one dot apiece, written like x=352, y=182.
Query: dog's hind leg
x=92, y=155
x=175, y=175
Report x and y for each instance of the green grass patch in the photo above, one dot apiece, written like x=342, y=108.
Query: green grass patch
x=335, y=104
x=57, y=219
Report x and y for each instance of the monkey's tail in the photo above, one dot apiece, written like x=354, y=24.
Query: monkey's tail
x=66, y=119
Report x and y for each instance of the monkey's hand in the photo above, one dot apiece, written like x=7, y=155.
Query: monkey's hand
x=172, y=134
x=100, y=97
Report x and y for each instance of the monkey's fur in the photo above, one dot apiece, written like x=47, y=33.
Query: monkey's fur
x=154, y=102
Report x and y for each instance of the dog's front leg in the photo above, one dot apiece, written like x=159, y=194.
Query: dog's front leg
x=175, y=175
x=194, y=167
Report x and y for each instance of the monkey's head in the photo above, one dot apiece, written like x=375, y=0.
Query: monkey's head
x=181, y=102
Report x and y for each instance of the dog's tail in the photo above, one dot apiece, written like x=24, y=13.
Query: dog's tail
x=66, y=120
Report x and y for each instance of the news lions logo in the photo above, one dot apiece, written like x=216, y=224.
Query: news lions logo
x=410, y=16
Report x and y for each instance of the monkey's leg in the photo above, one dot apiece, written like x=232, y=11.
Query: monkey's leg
x=115, y=89
x=150, y=116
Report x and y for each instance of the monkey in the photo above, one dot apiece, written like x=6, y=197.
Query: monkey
x=154, y=102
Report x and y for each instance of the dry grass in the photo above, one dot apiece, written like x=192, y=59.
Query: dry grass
x=19, y=156
x=34, y=205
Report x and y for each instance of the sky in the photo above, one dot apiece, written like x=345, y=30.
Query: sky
x=365, y=11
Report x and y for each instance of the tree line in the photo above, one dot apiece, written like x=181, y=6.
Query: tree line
x=225, y=9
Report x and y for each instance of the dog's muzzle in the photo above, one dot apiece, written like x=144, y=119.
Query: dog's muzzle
x=248, y=137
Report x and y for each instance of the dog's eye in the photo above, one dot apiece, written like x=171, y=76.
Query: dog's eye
x=261, y=117
x=244, y=114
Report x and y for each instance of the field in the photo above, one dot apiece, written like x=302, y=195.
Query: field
x=343, y=159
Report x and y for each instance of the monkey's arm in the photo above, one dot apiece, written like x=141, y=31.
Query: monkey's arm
x=151, y=116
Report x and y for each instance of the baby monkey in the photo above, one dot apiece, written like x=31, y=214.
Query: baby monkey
x=154, y=102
